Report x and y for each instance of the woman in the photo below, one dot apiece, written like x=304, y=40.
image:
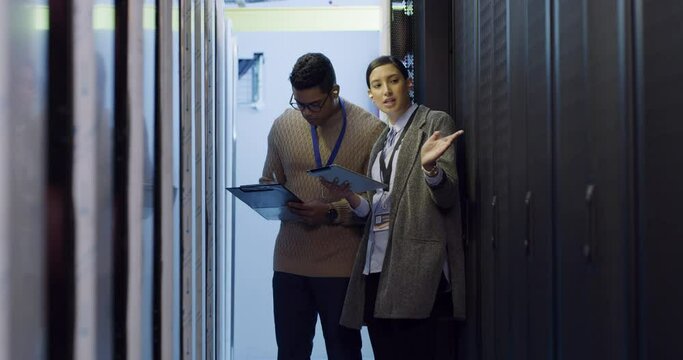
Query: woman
x=410, y=264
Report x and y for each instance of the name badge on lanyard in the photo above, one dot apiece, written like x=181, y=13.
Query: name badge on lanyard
x=337, y=145
x=381, y=212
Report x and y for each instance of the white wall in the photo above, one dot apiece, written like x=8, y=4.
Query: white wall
x=350, y=52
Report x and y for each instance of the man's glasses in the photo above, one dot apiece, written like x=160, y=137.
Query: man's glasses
x=315, y=106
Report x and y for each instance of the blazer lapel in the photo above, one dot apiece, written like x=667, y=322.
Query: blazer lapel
x=408, y=154
x=379, y=144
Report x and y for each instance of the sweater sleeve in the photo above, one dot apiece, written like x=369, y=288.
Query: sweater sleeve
x=273, y=171
x=345, y=215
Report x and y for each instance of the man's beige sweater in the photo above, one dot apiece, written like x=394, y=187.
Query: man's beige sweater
x=325, y=250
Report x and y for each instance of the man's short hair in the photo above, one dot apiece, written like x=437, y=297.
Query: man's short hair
x=311, y=70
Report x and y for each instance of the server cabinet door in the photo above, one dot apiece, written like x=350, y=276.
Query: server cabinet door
x=486, y=195
x=591, y=175
x=659, y=49
x=538, y=237
x=531, y=179
x=500, y=202
x=465, y=111
x=494, y=151
x=515, y=251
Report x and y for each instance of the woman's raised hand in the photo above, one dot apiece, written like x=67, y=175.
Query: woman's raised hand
x=435, y=146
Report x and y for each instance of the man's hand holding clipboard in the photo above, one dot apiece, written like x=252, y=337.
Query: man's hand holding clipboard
x=340, y=176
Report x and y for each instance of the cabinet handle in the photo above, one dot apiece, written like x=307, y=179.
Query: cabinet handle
x=494, y=227
x=589, y=245
x=468, y=226
x=528, y=223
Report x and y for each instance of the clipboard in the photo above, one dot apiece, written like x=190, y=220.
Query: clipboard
x=269, y=200
x=359, y=183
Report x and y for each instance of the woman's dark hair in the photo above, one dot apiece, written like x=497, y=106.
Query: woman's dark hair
x=311, y=70
x=384, y=60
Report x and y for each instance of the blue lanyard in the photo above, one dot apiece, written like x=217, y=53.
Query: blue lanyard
x=335, y=150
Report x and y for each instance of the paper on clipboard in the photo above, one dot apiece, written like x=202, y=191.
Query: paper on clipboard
x=359, y=183
x=269, y=200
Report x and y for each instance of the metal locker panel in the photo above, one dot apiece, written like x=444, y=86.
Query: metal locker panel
x=199, y=173
x=128, y=182
x=226, y=75
x=60, y=222
x=24, y=319
x=86, y=178
x=209, y=179
x=591, y=172
x=188, y=198
x=166, y=286
x=659, y=83
x=120, y=185
x=221, y=121
x=5, y=325
x=136, y=328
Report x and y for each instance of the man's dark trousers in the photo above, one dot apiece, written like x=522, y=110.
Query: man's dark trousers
x=297, y=302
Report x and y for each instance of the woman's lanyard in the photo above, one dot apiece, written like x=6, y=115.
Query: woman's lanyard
x=385, y=172
x=335, y=150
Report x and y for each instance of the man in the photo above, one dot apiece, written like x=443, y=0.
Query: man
x=314, y=256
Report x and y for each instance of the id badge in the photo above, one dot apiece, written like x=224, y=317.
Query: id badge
x=381, y=211
x=380, y=221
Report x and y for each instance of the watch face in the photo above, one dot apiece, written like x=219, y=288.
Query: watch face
x=332, y=214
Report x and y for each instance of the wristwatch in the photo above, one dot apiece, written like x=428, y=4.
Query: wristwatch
x=332, y=214
x=431, y=173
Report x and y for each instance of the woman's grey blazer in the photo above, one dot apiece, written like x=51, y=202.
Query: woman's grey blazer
x=425, y=229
